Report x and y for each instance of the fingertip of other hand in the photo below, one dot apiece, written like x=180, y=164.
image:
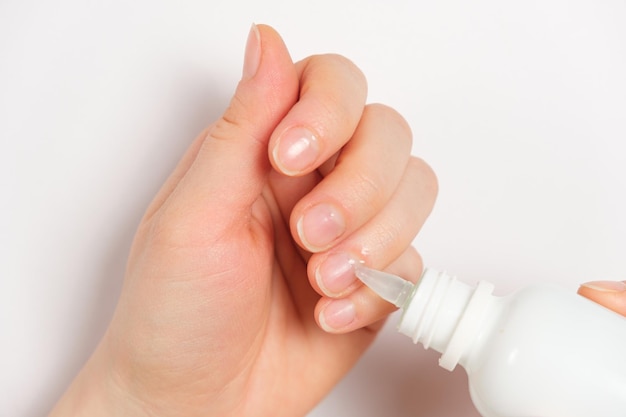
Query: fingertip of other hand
x=610, y=294
x=605, y=286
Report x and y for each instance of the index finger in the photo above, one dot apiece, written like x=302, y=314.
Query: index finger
x=332, y=98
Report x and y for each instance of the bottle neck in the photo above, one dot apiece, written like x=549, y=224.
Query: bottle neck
x=445, y=315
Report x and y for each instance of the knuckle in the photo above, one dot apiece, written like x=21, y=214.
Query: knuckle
x=233, y=120
x=334, y=90
x=390, y=231
x=408, y=265
x=367, y=188
x=355, y=73
x=348, y=80
x=392, y=121
x=335, y=63
x=423, y=175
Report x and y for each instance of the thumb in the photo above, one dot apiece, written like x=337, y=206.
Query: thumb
x=611, y=294
x=231, y=165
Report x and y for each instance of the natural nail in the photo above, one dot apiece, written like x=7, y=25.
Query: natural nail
x=320, y=226
x=337, y=315
x=336, y=274
x=252, y=57
x=296, y=151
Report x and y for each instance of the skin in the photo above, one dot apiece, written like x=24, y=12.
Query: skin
x=611, y=294
x=227, y=306
x=221, y=307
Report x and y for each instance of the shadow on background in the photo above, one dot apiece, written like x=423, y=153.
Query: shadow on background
x=397, y=378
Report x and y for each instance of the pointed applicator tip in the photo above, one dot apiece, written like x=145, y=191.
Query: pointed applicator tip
x=389, y=287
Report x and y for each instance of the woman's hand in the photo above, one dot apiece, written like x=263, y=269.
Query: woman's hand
x=240, y=297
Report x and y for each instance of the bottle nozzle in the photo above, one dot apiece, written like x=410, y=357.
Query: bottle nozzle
x=389, y=287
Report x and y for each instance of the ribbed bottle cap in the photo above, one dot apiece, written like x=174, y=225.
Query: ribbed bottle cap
x=468, y=326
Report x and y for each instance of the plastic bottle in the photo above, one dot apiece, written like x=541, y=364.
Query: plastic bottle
x=540, y=352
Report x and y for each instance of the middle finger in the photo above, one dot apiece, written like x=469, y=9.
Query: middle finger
x=366, y=174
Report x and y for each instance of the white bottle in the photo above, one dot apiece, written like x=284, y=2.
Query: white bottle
x=540, y=352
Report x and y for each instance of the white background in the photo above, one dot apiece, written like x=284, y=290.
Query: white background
x=520, y=107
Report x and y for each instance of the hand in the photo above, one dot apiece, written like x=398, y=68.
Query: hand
x=240, y=298
x=611, y=294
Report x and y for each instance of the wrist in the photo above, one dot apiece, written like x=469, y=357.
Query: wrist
x=96, y=392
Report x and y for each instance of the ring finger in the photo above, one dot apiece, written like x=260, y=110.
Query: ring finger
x=363, y=308
x=382, y=239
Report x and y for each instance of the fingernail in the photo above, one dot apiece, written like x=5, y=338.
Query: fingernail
x=606, y=286
x=320, y=226
x=252, y=57
x=337, y=315
x=297, y=150
x=336, y=274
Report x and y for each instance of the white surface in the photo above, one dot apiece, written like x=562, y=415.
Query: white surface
x=519, y=106
x=519, y=351
x=524, y=366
